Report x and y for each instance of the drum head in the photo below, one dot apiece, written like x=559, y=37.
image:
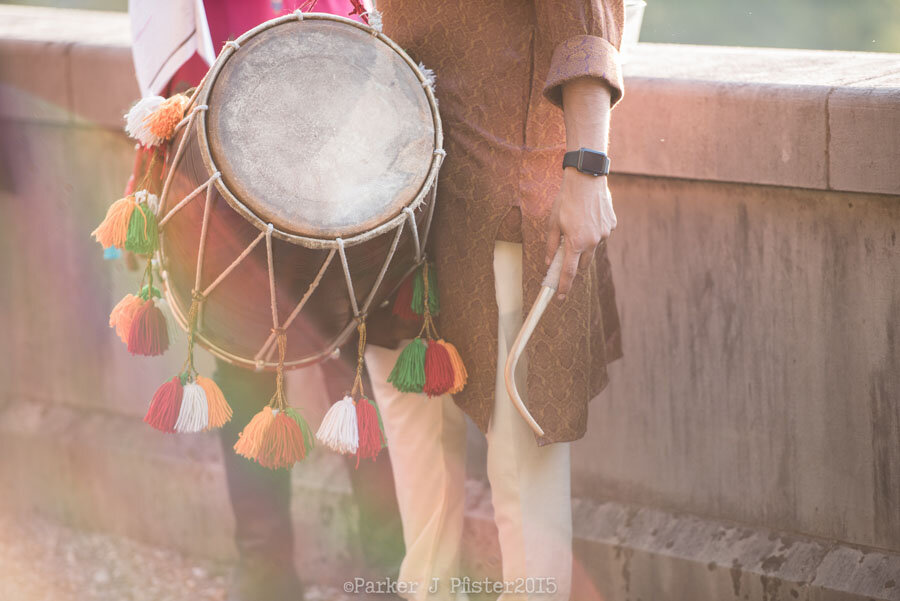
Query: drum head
x=320, y=128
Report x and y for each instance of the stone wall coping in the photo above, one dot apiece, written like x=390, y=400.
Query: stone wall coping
x=766, y=66
x=799, y=118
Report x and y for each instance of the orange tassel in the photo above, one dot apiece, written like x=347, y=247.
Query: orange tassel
x=123, y=314
x=113, y=230
x=219, y=410
x=251, y=437
x=460, y=375
x=161, y=122
x=282, y=445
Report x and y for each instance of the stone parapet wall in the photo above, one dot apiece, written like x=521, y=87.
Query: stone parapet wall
x=748, y=446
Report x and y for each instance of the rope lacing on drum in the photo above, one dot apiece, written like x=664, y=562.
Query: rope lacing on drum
x=265, y=351
x=204, y=186
x=350, y=291
x=234, y=264
x=271, y=268
x=197, y=299
x=384, y=268
x=278, y=402
x=411, y=217
x=335, y=246
x=190, y=115
x=204, y=228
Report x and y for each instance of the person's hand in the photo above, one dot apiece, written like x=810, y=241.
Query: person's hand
x=583, y=215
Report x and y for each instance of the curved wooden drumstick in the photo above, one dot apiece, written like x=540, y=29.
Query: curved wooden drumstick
x=548, y=289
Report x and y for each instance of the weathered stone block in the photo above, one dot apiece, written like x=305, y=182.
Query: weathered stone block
x=97, y=97
x=709, y=130
x=34, y=77
x=760, y=371
x=864, y=148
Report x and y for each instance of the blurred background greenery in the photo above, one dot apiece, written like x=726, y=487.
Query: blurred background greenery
x=872, y=25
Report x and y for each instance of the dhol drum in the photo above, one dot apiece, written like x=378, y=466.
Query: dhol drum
x=300, y=190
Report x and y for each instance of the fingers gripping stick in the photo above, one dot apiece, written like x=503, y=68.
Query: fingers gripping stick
x=551, y=280
x=548, y=289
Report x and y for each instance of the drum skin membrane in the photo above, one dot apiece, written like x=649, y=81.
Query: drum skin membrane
x=320, y=129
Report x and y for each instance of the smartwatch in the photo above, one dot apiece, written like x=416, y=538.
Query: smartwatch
x=587, y=161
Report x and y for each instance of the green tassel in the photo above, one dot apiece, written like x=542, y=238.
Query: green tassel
x=408, y=374
x=142, y=231
x=380, y=424
x=434, y=304
x=148, y=291
x=418, y=296
x=309, y=441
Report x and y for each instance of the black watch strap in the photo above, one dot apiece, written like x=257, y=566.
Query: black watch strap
x=587, y=161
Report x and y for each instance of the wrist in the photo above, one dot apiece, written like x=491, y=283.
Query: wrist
x=594, y=142
x=575, y=172
x=595, y=137
x=587, y=161
x=586, y=111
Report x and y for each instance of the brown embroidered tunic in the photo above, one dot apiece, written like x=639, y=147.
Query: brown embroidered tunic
x=500, y=65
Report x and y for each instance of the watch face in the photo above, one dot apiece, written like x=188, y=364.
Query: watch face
x=594, y=162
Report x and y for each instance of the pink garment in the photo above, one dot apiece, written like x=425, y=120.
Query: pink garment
x=228, y=19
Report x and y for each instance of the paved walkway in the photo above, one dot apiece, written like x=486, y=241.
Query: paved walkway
x=43, y=561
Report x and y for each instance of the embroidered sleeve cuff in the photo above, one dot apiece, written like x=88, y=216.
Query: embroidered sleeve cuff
x=584, y=56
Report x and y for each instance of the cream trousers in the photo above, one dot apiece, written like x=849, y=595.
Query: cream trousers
x=530, y=485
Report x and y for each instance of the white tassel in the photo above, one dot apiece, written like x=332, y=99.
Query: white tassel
x=135, y=119
x=339, y=430
x=375, y=21
x=430, y=79
x=194, y=414
x=152, y=200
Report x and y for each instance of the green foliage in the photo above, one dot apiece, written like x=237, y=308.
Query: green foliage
x=870, y=25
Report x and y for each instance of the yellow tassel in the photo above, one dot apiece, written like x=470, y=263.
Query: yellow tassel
x=219, y=410
x=113, y=230
x=460, y=375
x=251, y=438
x=161, y=122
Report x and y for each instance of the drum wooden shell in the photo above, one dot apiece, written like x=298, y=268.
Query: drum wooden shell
x=295, y=191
